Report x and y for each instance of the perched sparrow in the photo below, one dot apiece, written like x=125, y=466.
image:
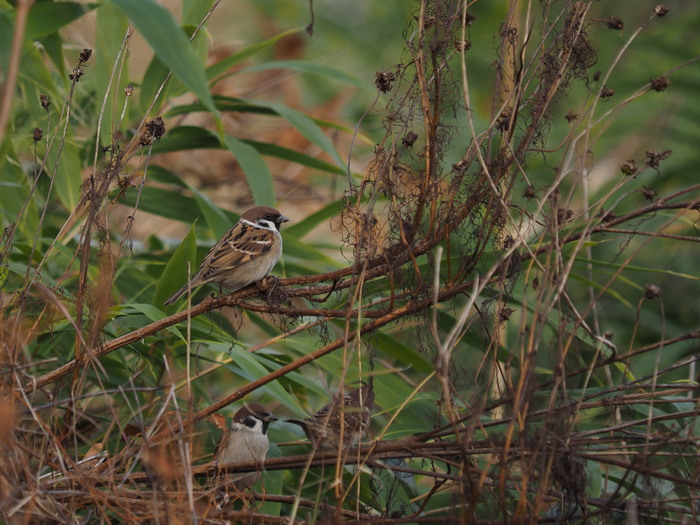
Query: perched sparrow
x=323, y=428
x=245, y=441
x=244, y=255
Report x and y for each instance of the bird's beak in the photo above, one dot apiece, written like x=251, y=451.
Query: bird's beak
x=283, y=218
x=271, y=418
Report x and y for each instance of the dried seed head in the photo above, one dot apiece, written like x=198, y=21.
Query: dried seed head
x=564, y=215
x=76, y=74
x=654, y=158
x=570, y=116
x=503, y=121
x=505, y=313
x=629, y=167
x=384, y=80
x=460, y=166
x=129, y=90
x=660, y=84
x=85, y=55
x=649, y=193
x=606, y=92
x=463, y=45
x=45, y=101
x=409, y=139
x=651, y=291
x=616, y=23
x=155, y=129
x=661, y=10
x=38, y=134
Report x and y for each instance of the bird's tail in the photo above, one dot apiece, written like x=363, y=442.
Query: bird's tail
x=176, y=296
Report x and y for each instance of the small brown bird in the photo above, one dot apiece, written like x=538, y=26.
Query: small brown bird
x=245, y=441
x=324, y=428
x=243, y=256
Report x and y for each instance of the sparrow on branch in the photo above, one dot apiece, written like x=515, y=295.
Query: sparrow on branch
x=245, y=441
x=348, y=417
x=243, y=256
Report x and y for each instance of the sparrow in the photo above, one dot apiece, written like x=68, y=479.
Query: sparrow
x=244, y=255
x=245, y=441
x=324, y=428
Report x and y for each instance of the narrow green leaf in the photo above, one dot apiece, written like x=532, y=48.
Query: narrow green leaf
x=233, y=104
x=305, y=66
x=403, y=353
x=113, y=25
x=68, y=179
x=53, y=45
x=273, y=150
x=152, y=312
x=302, y=228
x=175, y=273
x=217, y=220
x=184, y=138
x=255, y=370
x=165, y=203
x=194, y=11
x=170, y=44
x=158, y=71
x=307, y=127
x=256, y=171
x=48, y=17
x=166, y=176
x=227, y=63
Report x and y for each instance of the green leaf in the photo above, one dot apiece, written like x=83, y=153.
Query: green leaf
x=165, y=203
x=113, y=25
x=233, y=104
x=151, y=312
x=194, y=11
x=304, y=66
x=48, y=17
x=254, y=370
x=307, y=127
x=227, y=63
x=218, y=221
x=67, y=179
x=175, y=273
x=403, y=353
x=170, y=44
x=13, y=193
x=184, y=138
x=273, y=150
x=256, y=171
x=302, y=228
x=158, y=71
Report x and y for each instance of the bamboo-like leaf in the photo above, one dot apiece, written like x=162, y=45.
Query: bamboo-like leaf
x=175, y=273
x=305, y=66
x=307, y=127
x=170, y=44
x=256, y=171
x=48, y=17
x=227, y=63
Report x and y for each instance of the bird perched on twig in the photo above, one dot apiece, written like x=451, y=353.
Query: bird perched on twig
x=243, y=256
x=245, y=441
x=324, y=428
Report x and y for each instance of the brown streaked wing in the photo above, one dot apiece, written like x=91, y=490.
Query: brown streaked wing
x=236, y=248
